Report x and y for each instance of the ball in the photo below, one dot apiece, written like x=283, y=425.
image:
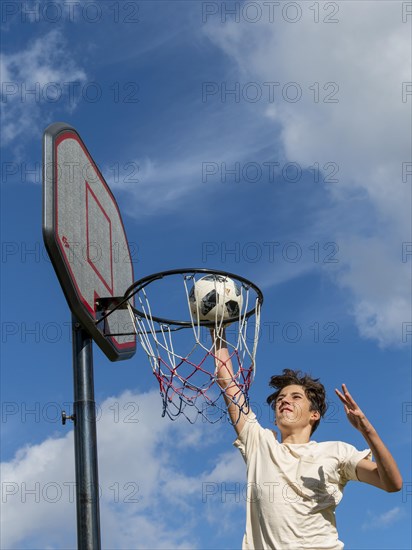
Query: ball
x=215, y=296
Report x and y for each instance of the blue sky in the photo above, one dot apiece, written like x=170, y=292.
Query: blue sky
x=274, y=142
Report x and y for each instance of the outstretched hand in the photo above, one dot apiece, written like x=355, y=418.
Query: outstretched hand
x=353, y=411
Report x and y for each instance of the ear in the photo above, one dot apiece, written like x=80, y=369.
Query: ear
x=315, y=415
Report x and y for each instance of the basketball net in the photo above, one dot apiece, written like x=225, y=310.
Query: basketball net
x=188, y=379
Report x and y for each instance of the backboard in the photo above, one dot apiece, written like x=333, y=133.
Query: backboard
x=85, y=238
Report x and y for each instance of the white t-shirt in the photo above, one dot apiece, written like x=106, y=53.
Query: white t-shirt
x=293, y=489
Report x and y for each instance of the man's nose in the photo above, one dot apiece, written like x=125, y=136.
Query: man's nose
x=284, y=401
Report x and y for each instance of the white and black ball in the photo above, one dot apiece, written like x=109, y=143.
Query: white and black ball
x=215, y=296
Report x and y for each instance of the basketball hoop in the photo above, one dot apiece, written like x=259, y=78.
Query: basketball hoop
x=181, y=350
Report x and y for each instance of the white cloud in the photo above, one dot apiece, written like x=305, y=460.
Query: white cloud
x=190, y=158
x=146, y=500
x=383, y=520
x=380, y=283
x=30, y=484
x=47, y=70
x=153, y=179
x=360, y=62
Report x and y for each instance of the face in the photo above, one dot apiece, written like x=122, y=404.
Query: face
x=293, y=409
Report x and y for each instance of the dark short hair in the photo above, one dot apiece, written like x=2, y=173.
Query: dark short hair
x=314, y=390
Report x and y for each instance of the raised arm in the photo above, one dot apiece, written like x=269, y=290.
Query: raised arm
x=383, y=473
x=235, y=400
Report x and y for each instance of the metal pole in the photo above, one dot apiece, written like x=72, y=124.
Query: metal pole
x=85, y=441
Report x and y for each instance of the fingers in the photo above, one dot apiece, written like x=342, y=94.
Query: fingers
x=348, y=396
x=346, y=404
x=341, y=397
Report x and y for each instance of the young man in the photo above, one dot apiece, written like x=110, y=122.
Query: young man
x=294, y=483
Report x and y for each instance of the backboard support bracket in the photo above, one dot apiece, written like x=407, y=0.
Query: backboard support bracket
x=105, y=307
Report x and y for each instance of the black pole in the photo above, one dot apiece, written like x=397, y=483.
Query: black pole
x=85, y=441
